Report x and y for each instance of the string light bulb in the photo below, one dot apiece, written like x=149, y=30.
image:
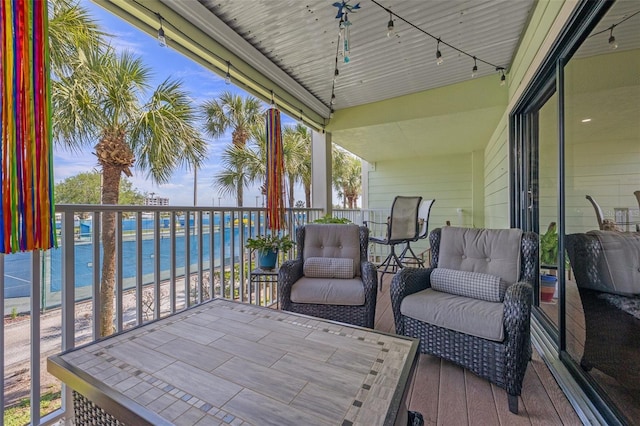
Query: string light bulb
x=439, y=59
x=390, y=29
x=333, y=98
x=162, y=41
x=474, y=70
x=612, y=40
x=227, y=76
x=503, y=78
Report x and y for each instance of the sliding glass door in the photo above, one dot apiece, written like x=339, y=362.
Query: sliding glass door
x=576, y=162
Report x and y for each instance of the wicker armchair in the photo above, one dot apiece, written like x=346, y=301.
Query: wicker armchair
x=501, y=360
x=606, y=269
x=349, y=300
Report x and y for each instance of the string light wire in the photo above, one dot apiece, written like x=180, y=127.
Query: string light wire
x=610, y=28
x=239, y=73
x=438, y=39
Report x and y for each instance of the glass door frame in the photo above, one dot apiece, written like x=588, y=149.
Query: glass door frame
x=524, y=174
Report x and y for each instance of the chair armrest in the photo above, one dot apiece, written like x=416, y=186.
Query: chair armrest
x=369, y=274
x=404, y=283
x=290, y=272
x=375, y=223
x=517, y=327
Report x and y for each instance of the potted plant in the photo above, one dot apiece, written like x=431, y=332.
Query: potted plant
x=549, y=257
x=267, y=247
x=331, y=219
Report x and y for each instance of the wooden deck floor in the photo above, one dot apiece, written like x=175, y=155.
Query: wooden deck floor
x=446, y=394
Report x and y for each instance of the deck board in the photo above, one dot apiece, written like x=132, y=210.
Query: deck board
x=447, y=394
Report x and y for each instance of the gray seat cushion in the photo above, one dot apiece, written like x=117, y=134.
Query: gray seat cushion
x=328, y=291
x=463, y=314
x=333, y=240
x=489, y=251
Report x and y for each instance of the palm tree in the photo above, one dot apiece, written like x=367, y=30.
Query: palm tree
x=352, y=181
x=301, y=171
x=100, y=99
x=294, y=150
x=238, y=169
x=338, y=171
x=347, y=176
x=233, y=112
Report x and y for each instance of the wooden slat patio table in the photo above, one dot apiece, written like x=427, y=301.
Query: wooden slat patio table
x=224, y=362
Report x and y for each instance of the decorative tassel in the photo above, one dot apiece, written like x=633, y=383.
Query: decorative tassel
x=275, y=170
x=26, y=175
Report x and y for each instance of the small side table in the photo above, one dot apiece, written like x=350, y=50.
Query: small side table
x=259, y=277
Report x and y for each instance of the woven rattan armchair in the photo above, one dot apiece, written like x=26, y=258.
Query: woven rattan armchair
x=502, y=361
x=606, y=269
x=349, y=300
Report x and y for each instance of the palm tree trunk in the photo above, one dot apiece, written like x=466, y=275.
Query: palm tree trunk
x=291, y=197
x=307, y=195
x=240, y=192
x=110, y=192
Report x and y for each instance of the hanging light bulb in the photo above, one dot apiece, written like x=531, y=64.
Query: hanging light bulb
x=439, y=59
x=227, y=76
x=331, y=113
x=474, y=70
x=162, y=41
x=390, y=29
x=503, y=78
x=333, y=98
x=612, y=40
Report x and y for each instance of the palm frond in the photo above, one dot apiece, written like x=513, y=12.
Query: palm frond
x=71, y=31
x=165, y=137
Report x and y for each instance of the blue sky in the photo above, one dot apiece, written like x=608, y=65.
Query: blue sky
x=202, y=85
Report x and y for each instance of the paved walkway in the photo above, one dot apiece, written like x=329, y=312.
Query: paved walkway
x=17, y=350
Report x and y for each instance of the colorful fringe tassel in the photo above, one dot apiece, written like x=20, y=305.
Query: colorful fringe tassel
x=275, y=171
x=26, y=174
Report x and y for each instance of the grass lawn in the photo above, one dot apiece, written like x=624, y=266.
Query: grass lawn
x=19, y=414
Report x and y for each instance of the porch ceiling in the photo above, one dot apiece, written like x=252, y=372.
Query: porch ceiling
x=289, y=47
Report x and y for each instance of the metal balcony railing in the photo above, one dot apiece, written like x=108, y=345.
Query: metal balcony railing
x=167, y=259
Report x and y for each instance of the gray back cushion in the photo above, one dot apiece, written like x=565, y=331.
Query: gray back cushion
x=489, y=251
x=333, y=240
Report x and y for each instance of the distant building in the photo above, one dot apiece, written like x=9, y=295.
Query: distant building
x=156, y=201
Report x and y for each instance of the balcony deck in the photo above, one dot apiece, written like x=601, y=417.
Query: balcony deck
x=447, y=394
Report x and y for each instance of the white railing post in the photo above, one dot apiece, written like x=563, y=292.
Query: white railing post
x=156, y=266
x=172, y=262
x=35, y=337
x=67, y=287
x=139, y=271
x=119, y=273
x=199, y=230
x=95, y=290
x=2, y=346
x=187, y=258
